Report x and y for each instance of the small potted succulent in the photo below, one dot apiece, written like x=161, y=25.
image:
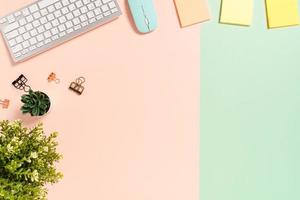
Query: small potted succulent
x=27, y=161
x=36, y=103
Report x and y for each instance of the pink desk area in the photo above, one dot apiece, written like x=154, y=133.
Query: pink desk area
x=133, y=134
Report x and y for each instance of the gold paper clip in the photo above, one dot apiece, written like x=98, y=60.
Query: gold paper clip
x=52, y=77
x=4, y=103
x=76, y=86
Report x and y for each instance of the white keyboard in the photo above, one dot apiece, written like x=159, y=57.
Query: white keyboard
x=48, y=23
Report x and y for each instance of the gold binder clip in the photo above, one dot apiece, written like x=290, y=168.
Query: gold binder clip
x=4, y=103
x=76, y=86
x=52, y=77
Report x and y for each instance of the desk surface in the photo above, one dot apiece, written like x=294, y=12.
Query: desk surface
x=133, y=134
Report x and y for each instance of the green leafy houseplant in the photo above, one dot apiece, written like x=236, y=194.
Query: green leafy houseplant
x=36, y=103
x=27, y=161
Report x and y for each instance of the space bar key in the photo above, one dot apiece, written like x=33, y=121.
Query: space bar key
x=45, y=3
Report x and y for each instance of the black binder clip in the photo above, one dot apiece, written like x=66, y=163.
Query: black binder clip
x=4, y=103
x=76, y=86
x=20, y=83
x=34, y=102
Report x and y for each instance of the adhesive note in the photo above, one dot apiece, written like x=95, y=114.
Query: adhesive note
x=281, y=13
x=192, y=11
x=237, y=12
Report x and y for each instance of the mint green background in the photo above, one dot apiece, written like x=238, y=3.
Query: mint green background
x=250, y=110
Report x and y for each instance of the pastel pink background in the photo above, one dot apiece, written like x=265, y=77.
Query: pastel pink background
x=133, y=134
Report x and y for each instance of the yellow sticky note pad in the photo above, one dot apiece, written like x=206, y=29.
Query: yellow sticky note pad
x=282, y=13
x=237, y=12
x=192, y=11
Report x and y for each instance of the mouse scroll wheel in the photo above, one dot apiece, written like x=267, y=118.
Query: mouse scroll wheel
x=147, y=21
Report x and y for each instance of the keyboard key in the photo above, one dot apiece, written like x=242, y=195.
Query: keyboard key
x=85, y=2
x=55, y=22
x=18, y=13
x=58, y=5
x=90, y=14
x=33, y=8
x=45, y=3
x=29, y=18
x=25, y=44
x=97, y=11
x=70, y=30
x=92, y=20
x=104, y=8
x=12, y=34
x=26, y=36
x=69, y=24
x=79, y=4
x=114, y=10
x=47, y=41
x=76, y=21
x=43, y=20
x=106, y=1
x=76, y=13
x=98, y=3
x=99, y=17
x=22, y=30
x=11, y=27
x=36, y=23
x=51, y=9
x=84, y=9
x=64, y=10
x=91, y=6
x=65, y=2
x=83, y=18
x=57, y=13
x=25, y=51
x=33, y=41
x=12, y=42
x=18, y=55
x=25, y=12
x=72, y=7
x=50, y=17
x=19, y=39
x=36, y=15
x=22, y=22
x=11, y=19
x=107, y=13
x=69, y=16
x=84, y=24
x=62, y=34
x=28, y=27
x=3, y=20
x=31, y=48
x=44, y=12
x=61, y=28
x=17, y=48
x=47, y=34
x=48, y=26
x=62, y=19
x=40, y=44
x=55, y=37
x=77, y=27
x=40, y=29
x=112, y=4
x=33, y=32
x=54, y=31
x=40, y=37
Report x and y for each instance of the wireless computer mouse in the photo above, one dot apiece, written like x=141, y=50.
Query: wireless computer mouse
x=144, y=15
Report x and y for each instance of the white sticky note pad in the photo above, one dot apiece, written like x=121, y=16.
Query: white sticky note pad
x=237, y=12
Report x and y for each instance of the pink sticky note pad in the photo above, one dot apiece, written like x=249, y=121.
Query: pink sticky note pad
x=192, y=11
